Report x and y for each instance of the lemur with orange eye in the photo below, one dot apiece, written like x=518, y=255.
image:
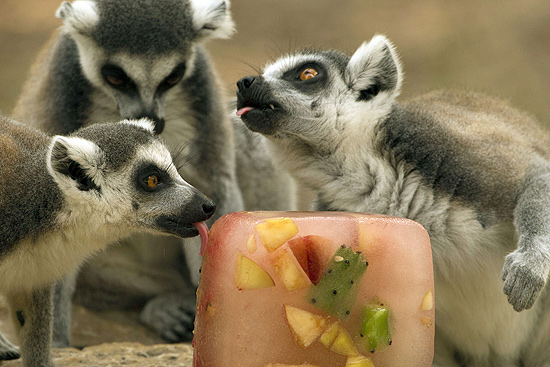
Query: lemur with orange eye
x=470, y=168
x=64, y=198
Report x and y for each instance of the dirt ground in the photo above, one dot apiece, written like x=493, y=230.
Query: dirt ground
x=501, y=47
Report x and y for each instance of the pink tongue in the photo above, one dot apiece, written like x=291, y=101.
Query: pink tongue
x=203, y=232
x=244, y=110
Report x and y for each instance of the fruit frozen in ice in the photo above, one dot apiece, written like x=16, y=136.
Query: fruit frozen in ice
x=338, y=340
x=427, y=301
x=309, y=251
x=306, y=327
x=359, y=361
x=275, y=232
x=336, y=292
x=375, y=329
x=273, y=326
x=249, y=275
x=288, y=269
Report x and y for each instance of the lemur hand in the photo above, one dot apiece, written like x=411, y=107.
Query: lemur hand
x=524, y=274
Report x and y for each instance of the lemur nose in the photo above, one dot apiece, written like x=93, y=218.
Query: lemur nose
x=209, y=208
x=246, y=82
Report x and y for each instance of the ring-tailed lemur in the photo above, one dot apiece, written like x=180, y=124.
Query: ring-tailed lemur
x=116, y=59
x=63, y=199
x=474, y=171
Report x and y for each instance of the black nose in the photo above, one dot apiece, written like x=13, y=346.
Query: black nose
x=157, y=121
x=246, y=82
x=209, y=208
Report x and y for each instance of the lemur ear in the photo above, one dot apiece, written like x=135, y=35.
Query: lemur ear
x=76, y=162
x=81, y=16
x=375, y=69
x=212, y=19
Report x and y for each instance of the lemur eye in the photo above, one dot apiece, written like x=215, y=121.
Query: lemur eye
x=308, y=73
x=152, y=181
x=116, y=77
x=173, y=79
x=113, y=80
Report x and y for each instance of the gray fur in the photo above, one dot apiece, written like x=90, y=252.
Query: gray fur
x=471, y=169
x=63, y=199
x=148, y=41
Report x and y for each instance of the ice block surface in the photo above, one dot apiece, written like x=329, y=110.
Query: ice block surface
x=318, y=289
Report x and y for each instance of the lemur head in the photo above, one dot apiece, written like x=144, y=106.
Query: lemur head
x=136, y=51
x=121, y=174
x=316, y=96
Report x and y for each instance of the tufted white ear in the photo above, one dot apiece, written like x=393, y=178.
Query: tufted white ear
x=375, y=69
x=76, y=162
x=143, y=123
x=81, y=16
x=212, y=19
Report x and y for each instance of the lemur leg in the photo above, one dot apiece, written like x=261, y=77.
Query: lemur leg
x=62, y=311
x=7, y=350
x=526, y=269
x=32, y=315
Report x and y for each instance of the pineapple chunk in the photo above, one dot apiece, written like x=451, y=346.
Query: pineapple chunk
x=359, y=361
x=427, y=301
x=251, y=244
x=306, y=327
x=289, y=270
x=338, y=340
x=249, y=275
x=275, y=232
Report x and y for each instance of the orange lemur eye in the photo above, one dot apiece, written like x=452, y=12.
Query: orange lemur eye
x=152, y=181
x=308, y=73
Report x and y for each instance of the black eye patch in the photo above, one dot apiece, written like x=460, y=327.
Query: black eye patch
x=316, y=72
x=117, y=78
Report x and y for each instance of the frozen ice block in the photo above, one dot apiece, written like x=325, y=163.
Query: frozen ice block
x=324, y=289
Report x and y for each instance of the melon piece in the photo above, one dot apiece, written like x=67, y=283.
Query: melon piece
x=337, y=290
x=274, y=326
x=249, y=275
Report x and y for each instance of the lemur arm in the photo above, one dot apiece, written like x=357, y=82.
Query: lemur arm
x=32, y=316
x=526, y=269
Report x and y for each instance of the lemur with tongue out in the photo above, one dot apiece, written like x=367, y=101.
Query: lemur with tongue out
x=470, y=168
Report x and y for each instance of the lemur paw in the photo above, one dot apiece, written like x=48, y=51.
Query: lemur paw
x=7, y=350
x=524, y=276
x=171, y=316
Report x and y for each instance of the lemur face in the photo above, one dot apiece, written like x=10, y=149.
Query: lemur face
x=121, y=174
x=138, y=51
x=313, y=94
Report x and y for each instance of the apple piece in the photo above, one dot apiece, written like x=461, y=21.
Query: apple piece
x=337, y=290
x=309, y=253
x=330, y=334
x=249, y=275
x=306, y=327
x=375, y=327
x=289, y=270
x=359, y=361
x=427, y=301
x=275, y=232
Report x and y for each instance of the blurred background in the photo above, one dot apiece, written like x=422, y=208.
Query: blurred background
x=501, y=47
